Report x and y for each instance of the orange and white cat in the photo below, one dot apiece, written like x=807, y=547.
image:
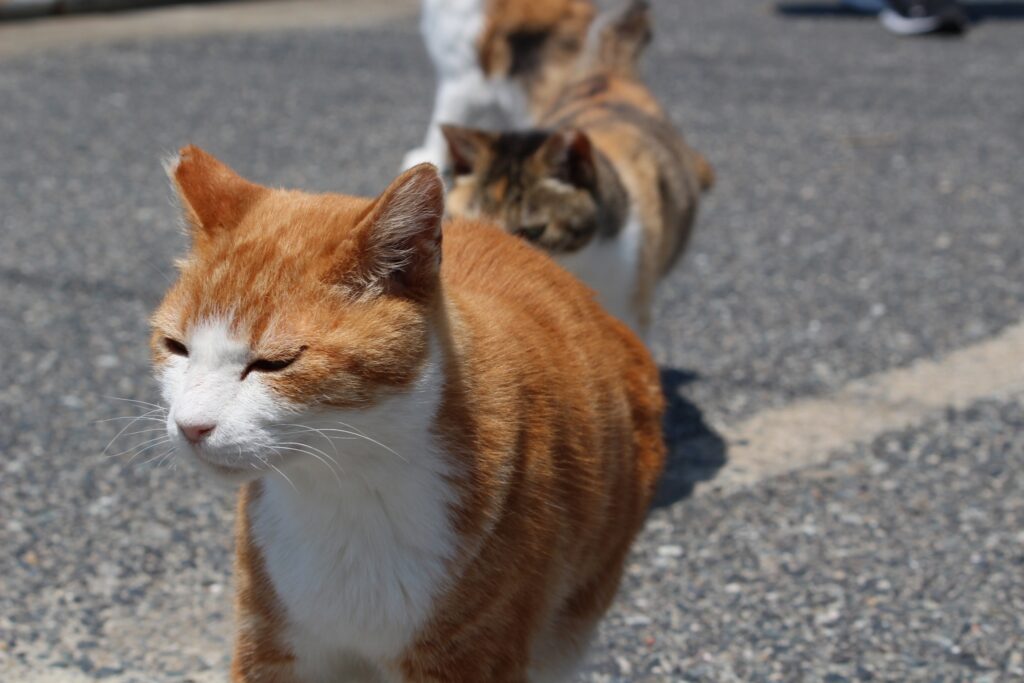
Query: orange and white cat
x=445, y=446
x=498, y=62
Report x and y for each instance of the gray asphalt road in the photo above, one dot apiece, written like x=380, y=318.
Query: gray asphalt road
x=868, y=213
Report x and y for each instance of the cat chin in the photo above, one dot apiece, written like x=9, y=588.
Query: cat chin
x=223, y=475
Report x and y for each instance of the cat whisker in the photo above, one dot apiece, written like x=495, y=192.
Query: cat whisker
x=129, y=417
x=325, y=461
x=155, y=439
x=311, y=429
x=151, y=263
x=126, y=428
x=159, y=457
x=352, y=432
x=147, y=431
x=132, y=400
x=332, y=439
x=147, y=448
x=368, y=438
x=290, y=482
x=306, y=445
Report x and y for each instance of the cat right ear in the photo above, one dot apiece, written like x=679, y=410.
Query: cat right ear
x=570, y=156
x=212, y=195
x=465, y=146
x=400, y=238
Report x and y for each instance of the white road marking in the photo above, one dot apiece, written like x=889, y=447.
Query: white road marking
x=808, y=431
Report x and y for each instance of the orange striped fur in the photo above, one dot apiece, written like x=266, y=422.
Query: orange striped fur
x=541, y=440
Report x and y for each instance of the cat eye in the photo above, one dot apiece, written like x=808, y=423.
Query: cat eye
x=532, y=232
x=266, y=365
x=176, y=347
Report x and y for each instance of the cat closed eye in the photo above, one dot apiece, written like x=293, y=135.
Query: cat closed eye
x=532, y=232
x=266, y=365
x=176, y=347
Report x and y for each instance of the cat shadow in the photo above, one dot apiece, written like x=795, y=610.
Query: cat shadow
x=696, y=452
x=976, y=11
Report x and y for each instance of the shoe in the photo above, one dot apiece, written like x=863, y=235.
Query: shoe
x=917, y=17
x=864, y=6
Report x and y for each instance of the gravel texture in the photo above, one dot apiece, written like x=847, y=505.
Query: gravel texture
x=901, y=560
x=867, y=214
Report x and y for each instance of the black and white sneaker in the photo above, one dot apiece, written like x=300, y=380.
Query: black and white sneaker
x=864, y=6
x=917, y=17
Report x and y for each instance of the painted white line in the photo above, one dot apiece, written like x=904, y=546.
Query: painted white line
x=59, y=33
x=806, y=432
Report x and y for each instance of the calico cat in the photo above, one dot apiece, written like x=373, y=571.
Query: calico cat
x=607, y=186
x=442, y=461
x=499, y=63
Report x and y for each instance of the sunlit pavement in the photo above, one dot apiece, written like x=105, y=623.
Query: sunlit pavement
x=867, y=217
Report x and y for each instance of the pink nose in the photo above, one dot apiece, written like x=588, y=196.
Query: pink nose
x=196, y=432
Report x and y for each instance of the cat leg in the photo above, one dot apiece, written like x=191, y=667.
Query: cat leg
x=253, y=671
x=557, y=657
x=258, y=657
x=465, y=671
x=493, y=656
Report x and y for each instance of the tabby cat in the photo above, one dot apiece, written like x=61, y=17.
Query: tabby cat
x=607, y=185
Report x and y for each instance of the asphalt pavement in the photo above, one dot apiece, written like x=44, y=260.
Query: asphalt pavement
x=867, y=215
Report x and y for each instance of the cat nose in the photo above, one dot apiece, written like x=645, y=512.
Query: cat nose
x=196, y=432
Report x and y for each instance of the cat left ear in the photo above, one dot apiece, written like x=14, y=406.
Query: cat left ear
x=464, y=146
x=570, y=156
x=213, y=196
x=401, y=236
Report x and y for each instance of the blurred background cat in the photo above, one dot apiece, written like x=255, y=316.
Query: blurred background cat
x=606, y=184
x=499, y=63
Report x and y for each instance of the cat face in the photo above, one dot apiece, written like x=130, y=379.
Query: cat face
x=536, y=184
x=289, y=304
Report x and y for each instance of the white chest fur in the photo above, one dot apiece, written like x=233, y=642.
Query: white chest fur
x=357, y=556
x=610, y=268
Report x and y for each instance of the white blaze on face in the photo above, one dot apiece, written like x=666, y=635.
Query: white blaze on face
x=212, y=380
x=207, y=389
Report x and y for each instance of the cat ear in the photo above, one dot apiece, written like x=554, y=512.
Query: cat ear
x=570, y=156
x=213, y=196
x=465, y=145
x=401, y=237
x=618, y=37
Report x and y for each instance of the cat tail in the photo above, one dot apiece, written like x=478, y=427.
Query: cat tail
x=617, y=39
x=705, y=171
